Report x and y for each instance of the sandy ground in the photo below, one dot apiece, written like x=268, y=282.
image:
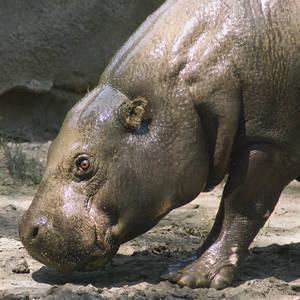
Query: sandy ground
x=271, y=270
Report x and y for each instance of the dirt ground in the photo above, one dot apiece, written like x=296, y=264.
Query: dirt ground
x=271, y=270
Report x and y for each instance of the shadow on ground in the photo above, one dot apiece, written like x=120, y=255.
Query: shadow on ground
x=279, y=261
x=265, y=266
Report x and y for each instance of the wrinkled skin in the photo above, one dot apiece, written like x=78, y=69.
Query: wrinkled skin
x=203, y=89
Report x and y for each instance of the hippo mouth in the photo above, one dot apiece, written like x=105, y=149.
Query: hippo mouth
x=96, y=261
x=99, y=256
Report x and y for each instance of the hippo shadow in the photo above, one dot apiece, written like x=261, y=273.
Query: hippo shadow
x=279, y=261
x=143, y=266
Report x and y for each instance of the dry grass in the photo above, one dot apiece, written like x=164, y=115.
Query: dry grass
x=21, y=168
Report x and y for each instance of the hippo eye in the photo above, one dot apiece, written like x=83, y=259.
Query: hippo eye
x=84, y=165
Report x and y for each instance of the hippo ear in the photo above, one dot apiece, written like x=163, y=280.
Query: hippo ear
x=132, y=112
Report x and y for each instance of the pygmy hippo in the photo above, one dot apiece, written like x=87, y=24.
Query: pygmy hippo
x=203, y=89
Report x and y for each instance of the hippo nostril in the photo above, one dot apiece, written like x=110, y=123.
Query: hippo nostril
x=34, y=232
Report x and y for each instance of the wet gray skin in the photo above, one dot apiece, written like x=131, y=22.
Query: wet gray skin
x=201, y=90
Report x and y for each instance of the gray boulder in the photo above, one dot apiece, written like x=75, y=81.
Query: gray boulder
x=52, y=52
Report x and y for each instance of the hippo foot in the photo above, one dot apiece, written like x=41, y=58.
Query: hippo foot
x=204, y=273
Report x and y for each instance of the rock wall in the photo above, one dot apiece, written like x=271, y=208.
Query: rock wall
x=52, y=52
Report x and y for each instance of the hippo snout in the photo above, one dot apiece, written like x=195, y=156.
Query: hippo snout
x=35, y=233
x=32, y=230
x=62, y=244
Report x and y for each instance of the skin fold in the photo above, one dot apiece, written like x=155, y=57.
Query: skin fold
x=203, y=89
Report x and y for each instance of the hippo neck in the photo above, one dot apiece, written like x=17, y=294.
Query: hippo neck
x=193, y=63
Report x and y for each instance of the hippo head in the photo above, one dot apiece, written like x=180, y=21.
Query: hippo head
x=115, y=169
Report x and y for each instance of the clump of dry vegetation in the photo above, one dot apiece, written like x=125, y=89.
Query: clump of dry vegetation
x=21, y=168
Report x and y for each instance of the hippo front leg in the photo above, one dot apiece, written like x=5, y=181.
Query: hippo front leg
x=254, y=185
